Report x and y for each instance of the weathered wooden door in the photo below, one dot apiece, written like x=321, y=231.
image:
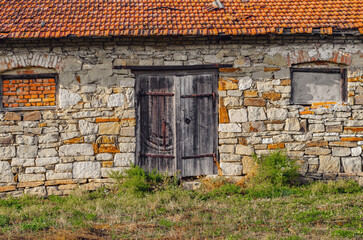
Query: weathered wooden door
x=197, y=138
x=177, y=122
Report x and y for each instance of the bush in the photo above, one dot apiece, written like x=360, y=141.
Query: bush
x=139, y=182
x=276, y=169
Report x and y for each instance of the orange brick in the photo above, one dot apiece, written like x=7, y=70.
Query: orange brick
x=27, y=96
x=6, y=81
x=107, y=164
x=351, y=139
x=223, y=115
x=51, y=80
x=272, y=96
x=227, y=84
x=39, y=104
x=35, y=100
x=354, y=129
x=21, y=101
x=285, y=82
x=28, y=104
x=14, y=105
x=74, y=140
x=52, y=104
x=276, y=146
x=258, y=102
x=9, y=94
x=42, y=96
x=49, y=92
x=107, y=148
x=317, y=144
x=100, y=120
x=49, y=100
x=7, y=188
x=228, y=69
x=250, y=94
x=34, y=96
x=306, y=112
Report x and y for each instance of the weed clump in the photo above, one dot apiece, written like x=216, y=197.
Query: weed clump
x=276, y=169
x=139, y=182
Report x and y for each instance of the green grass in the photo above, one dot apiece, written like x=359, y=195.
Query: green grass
x=318, y=211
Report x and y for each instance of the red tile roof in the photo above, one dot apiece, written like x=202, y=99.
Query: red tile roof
x=61, y=18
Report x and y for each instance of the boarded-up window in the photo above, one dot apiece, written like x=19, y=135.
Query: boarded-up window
x=177, y=122
x=318, y=85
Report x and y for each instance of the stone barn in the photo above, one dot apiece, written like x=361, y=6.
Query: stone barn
x=193, y=87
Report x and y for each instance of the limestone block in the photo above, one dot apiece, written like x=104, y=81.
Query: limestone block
x=265, y=86
x=127, y=132
x=292, y=124
x=127, y=147
x=341, y=152
x=71, y=64
x=257, y=102
x=6, y=140
x=256, y=114
x=226, y=149
x=267, y=140
x=11, y=116
x=276, y=59
x=238, y=115
x=68, y=99
x=91, y=88
x=86, y=170
x=22, y=162
x=317, y=151
x=231, y=169
x=46, y=161
x=7, y=152
x=230, y=157
x=76, y=150
x=31, y=177
x=244, y=83
x=230, y=127
x=87, y=114
x=64, y=167
x=130, y=97
x=253, y=127
x=30, y=170
x=25, y=140
x=24, y=151
x=54, y=191
x=96, y=75
x=32, y=116
x=51, y=175
x=116, y=100
x=244, y=150
x=249, y=165
x=329, y=164
x=276, y=114
x=295, y=146
x=47, y=152
x=6, y=175
x=87, y=128
x=124, y=159
x=37, y=191
x=109, y=128
x=316, y=128
x=357, y=151
x=212, y=59
x=352, y=164
x=48, y=138
x=104, y=156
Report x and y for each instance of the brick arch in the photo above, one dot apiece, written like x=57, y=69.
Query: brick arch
x=30, y=60
x=316, y=55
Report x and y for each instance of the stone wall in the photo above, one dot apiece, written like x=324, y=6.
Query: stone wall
x=92, y=131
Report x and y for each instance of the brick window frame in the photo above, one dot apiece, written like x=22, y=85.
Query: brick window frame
x=48, y=76
x=342, y=72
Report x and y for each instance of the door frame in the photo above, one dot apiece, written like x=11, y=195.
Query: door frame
x=163, y=72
